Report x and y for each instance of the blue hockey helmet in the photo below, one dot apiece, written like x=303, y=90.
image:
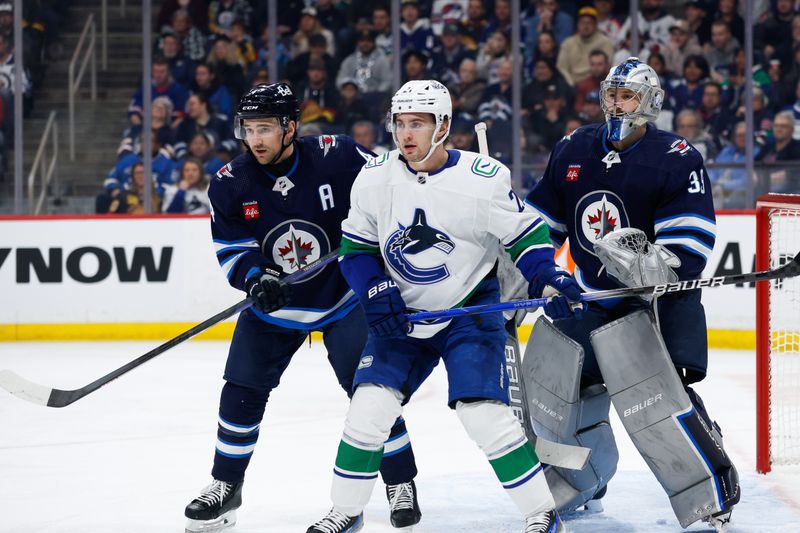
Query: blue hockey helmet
x=642, y=80
x=263, y=101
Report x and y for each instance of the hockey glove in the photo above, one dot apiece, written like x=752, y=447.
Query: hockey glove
x=566, y=304
x=385, y=310
x=269, y=293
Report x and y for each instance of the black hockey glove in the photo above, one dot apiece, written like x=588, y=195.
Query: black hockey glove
x=385, y=310
x=269, y=293
x=566, y=303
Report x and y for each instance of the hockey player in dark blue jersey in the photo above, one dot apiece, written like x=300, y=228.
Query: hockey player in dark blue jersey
x=636, y=205
x=275, y=209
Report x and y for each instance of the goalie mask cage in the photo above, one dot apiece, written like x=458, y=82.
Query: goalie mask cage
x=777, y=334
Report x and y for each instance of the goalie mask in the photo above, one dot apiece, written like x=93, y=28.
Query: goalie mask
x=642, y=81
x=422, y=96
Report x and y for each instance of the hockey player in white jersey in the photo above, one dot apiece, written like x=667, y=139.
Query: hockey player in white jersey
x=422, y=234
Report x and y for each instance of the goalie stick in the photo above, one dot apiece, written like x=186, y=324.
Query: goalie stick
x=52, y=397
x=552, y=453
x=789, y=270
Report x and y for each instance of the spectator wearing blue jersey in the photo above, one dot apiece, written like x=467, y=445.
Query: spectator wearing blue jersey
x=205, y=80
x=200, y=118
x=190, y=193
x=163, y=85
x=688, y=90
x=130, y=199
x=730, y=184
x=181, y=68
x=201, y=147
x=120, y=176
x=548, y=17
x=415, y=32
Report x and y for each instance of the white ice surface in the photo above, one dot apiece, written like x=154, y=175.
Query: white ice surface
x=130, y=456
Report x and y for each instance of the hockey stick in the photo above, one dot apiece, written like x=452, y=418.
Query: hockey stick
x=789, y=270
x=553, y=453
x=52, y=397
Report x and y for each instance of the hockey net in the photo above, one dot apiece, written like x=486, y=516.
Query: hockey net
x=777, y=334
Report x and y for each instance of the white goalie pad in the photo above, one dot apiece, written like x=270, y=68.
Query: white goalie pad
x=657, y=413
x=562, y=412
x=634, y=261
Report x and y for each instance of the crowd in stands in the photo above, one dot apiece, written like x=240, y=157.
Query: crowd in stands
x=40, y=42
x=338, y=56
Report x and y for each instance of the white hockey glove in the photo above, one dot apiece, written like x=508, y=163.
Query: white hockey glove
x=632, y=260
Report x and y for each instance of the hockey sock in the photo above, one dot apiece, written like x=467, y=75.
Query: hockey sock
x=398, y=464
x=373, y=410
x=240, y=412
x=497, y=432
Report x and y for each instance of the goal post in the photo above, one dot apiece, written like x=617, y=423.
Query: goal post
x=777, y=334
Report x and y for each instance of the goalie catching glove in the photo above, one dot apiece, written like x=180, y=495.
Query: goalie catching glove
x=634, y=261
x=269, y=293
x=567, y=302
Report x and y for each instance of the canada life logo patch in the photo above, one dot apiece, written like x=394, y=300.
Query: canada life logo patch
x=573, y=172
x=251, y=210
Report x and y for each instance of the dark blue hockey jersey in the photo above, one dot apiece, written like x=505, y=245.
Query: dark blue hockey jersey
x=659, y=185
x=259, y=219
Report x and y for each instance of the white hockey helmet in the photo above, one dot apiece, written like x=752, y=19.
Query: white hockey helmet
x=423, y=96
x=640, y=78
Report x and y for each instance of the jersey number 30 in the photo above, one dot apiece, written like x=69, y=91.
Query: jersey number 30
x=697, y=182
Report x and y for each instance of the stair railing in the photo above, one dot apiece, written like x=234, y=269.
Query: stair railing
x=45, y=162
x=86, y=55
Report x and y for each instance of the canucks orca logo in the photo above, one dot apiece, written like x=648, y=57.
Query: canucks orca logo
x=294, y=244
x=596, y=215
x=415, y=239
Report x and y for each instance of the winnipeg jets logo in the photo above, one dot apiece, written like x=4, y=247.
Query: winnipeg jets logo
x=296, y=250
x=681, y=146
x=602, y=222
x=596, y=215
x=420, y=240
x=294, y=244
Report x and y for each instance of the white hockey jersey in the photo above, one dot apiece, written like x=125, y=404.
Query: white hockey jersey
x=438, y=232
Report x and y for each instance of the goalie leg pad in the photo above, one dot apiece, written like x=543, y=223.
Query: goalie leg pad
x=657, y=413
x=497, y=432
x=373, y=411
x=561, y=412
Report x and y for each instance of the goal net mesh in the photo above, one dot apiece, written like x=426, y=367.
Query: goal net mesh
x=784, y=339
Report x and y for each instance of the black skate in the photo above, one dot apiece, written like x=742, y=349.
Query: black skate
x=403, y=507
x=545, y=522
x=215, y=508
x=336, y=522
x=719, y=521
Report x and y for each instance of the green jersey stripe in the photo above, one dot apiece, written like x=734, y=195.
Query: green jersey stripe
x=352, y=247
x=538, y=235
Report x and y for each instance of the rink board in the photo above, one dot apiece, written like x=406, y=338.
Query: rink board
x=79, y=278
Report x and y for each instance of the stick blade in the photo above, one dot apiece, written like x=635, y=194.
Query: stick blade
x=563, y=455
x=24, y=389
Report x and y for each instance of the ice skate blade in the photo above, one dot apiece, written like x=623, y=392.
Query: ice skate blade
x=224, y=521
x=720, y=524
